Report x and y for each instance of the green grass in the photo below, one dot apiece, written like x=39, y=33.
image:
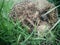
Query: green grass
x=15, y=34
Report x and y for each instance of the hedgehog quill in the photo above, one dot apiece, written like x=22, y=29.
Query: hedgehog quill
x=31, y=14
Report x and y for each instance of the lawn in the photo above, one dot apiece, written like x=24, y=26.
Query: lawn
x=15, y=34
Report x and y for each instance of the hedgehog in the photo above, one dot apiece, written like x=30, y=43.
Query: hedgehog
x=31, y=14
